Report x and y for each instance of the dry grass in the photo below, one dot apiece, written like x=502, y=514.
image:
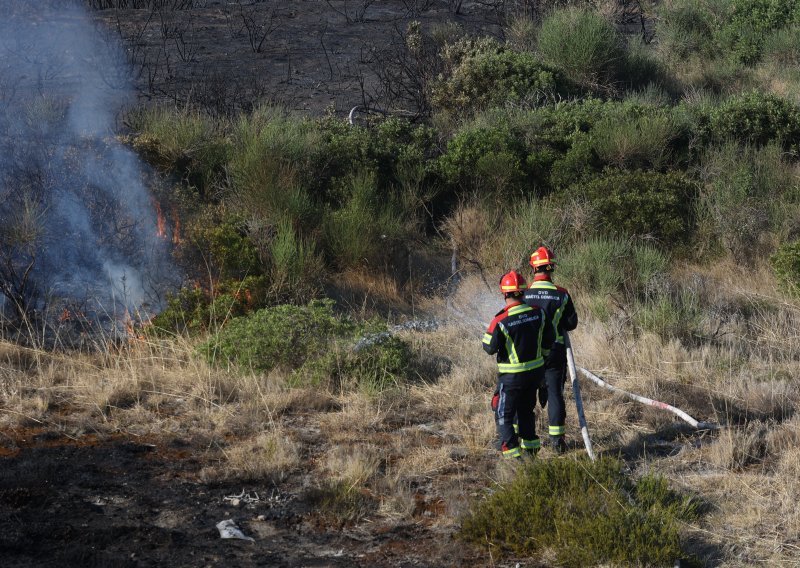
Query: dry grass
x=270, y=456
x=423, y=452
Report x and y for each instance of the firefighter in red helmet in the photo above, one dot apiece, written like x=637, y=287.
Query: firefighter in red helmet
x=561, y=314
x=518, y=336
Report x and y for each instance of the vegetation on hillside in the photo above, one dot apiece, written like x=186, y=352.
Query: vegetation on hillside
x=663, y=170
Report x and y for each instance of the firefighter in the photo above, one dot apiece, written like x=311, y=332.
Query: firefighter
x=560, y=311
x=518, y=335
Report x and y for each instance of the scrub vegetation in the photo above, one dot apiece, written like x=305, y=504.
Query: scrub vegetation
x=660, y=163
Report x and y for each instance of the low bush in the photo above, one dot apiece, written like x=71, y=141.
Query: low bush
x=316, y=346
x=484, y=158
x=636, y=140
x=671, y=315
x=189, y=144
x=482, y=73
x=748, y=22
x=642, y=203
x=685, y=28
x=367, y=226
x=752, y=118
x=222, y=243
x=195, y=310
x=584, y=45
x=586, y=513
x=282, y=336
x=785, y=263
x=743, y=196
x=782, y=47
x=610, y=266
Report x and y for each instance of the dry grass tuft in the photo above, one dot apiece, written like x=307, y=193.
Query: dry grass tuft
x=268, y=457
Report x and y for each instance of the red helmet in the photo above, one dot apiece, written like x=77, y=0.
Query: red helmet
x=512, y=282
x=542, y=257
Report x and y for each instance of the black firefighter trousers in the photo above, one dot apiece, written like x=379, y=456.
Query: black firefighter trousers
x=552, y=393
x=517, y=398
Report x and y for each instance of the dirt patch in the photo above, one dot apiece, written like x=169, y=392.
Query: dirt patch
x=103, y=501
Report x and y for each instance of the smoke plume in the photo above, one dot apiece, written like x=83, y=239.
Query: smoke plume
x=76, y=221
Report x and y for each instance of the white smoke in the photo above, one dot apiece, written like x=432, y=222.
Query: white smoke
x=76, y=219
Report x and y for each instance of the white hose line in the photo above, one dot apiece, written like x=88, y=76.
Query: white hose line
x=649, y=401
x=576, y=393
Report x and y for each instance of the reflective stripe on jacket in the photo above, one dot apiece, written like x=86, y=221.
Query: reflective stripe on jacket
x=556, y=303
x=517, y=336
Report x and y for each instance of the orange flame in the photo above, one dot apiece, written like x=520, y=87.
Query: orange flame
x=161, y=222
x=176, y=229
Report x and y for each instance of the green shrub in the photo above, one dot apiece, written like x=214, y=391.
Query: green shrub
x=189, y=144
x=375, y=364
x=581, y=43
x=222, y=243
x=195, y=310
x=782, y=47
x=607, y=266
x=685, y=28
x=642, y=203
x=383, y=146
x=753, y=118
x=297, y=269
x=482, y=73
x=636, y=141
x=283, y=336
x=276, y=160
x=671, y=315
x=317, y=346
x=366, y=226
x=748, y=22
x=586, y=513
x=743, y=196
x=786, y=265
x=486, y=158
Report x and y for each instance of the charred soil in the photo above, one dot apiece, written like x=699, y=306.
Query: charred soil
x=111, y=500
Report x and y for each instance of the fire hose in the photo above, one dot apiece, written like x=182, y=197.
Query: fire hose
x=573, y=373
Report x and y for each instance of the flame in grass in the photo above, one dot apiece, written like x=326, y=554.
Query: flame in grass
x=176, y=226
x=161, y=222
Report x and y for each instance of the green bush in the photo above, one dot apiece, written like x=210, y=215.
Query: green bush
x=189, y=144
x=195, y=310
x=748, y=22
x=366, y=226
x=786, y=265
x=744, y=196
x=297, y=269
x=316, y=345
x=377, y=363
x=482, y=73
x=782, y=47
x=585, y=46
x=586, y=513
x=607, y=266
x=636, y=141
x=489, y=159
x=221, y=241
x=671, y=315
x=685, y=28
x=283, y=336
x=752, y=118
x=642, y=203
x=383, y=147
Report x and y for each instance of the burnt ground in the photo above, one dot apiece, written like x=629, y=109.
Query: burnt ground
x=311, y=56
x=103, y=501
